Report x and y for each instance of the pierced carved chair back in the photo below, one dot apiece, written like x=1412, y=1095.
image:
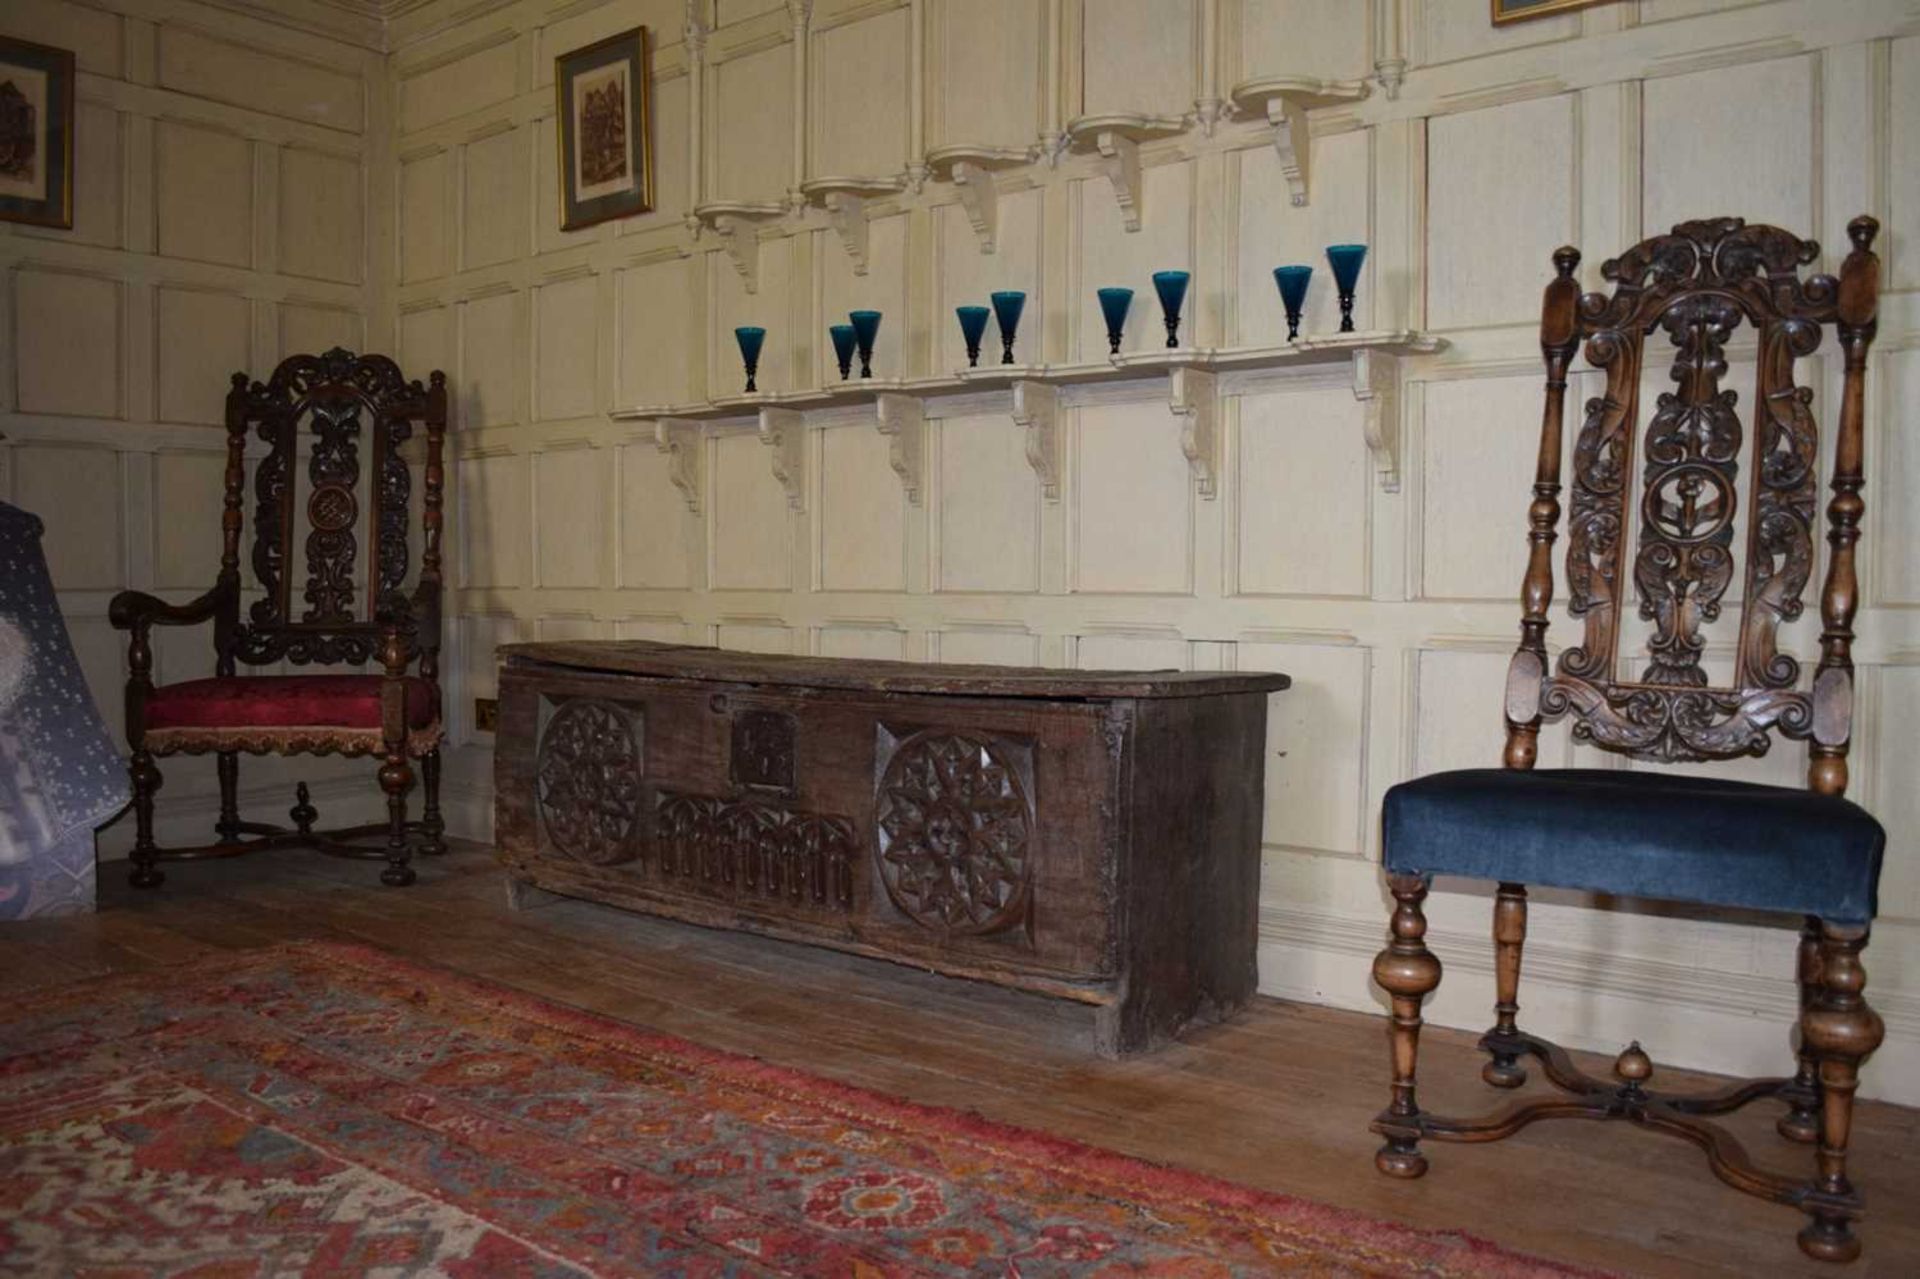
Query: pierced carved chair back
x=1654, y=511
x=334, y=426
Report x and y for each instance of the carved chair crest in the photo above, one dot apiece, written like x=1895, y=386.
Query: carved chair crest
x=1659, y=508
x=344, y=404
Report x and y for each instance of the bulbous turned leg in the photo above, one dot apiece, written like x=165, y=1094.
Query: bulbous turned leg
x=1801, y=1123
x=1503, y=1068
x=432, y=824
x=146, y=779
x=396, y=779
x=1407, y=971
x=1842, y=1032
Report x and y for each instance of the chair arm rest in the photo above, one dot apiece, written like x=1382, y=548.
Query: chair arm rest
x=136, y=610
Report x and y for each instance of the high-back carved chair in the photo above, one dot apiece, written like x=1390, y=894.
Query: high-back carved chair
x=1655, y=517
x=325, y=413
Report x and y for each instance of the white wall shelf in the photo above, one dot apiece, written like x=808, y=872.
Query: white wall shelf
x=736, y=223
x=1285, y=101
x=1117, y=138
x=1195, y=378
x=971, y=168
x=845, y=201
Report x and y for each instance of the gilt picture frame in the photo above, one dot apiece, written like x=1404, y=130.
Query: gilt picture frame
x=603, y=110
x=36, y=134
x=1505, y=11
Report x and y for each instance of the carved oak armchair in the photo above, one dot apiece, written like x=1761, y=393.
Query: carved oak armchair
x=1808, y=853
x=324, y=411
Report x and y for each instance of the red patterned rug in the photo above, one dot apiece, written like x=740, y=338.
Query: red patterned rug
x=333, y=1110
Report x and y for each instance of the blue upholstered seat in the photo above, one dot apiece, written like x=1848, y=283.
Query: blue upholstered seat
x=1641, y=834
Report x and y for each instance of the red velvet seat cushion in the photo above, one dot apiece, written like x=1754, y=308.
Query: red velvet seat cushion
x=283, y=701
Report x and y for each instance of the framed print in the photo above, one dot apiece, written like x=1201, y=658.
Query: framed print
x=1520, y=10
x=605, y=117
x=36, y=134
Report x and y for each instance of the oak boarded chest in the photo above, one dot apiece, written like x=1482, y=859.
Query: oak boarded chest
x=1092, y=836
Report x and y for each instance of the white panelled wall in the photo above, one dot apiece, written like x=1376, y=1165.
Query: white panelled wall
x=1384, y=579
x=226, y=201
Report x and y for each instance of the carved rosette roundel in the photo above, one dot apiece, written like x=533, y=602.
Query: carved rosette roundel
x=955, y=830
x=587, y=782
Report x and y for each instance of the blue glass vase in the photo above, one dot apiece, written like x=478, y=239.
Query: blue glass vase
x=1345, y=259
x=973, y=327
x=1113, y=305
x=1006, y=309
x=843, y=340
x=1293, y=293
x=866, y=327
x=1172, y=288
x=750, y=340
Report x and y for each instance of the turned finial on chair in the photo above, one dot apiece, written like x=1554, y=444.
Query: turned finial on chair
x=1633, y=1067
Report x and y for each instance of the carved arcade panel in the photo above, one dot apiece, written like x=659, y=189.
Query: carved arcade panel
x=750, y=848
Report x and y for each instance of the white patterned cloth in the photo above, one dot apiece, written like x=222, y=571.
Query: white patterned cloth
x=60, y=776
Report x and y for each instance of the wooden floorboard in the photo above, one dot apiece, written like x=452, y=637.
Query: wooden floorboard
x=1279, y=1098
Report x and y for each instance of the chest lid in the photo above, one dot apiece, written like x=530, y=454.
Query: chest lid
x=653, y=660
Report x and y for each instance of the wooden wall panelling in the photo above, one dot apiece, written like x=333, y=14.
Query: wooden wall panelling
x=987, y=72
x=66, y=342
x=1749, y=127
x=1506, y=179
x=1393, y=609
x=1314, y=794
x=1304, y=482
x=1896, y=459
x=1138, y=56
x=222, y=218
x=862, y=513
x=1132, y=501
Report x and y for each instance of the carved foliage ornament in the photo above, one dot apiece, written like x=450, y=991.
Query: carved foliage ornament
x=587, y=783
x=1696, y=285
x=955, y=830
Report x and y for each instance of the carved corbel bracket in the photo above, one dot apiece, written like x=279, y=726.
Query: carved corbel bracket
x=681, y=441
x=737, y=226
x=1120, y=161
x=1285, y=101
x=1036, y=407
x=1376, y=384
x=903, y=420
x=970, y=169
x=845, y=201
x=1192, y=393
x=1116, y=140
x=785, y=432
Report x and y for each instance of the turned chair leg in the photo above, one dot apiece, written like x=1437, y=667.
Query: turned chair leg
x=146, y=779
x=1407, y=971
x=431, y=822
x=396, y=779
x=1503, y=1068
x=1841, y=1031
x=227, y=828
x=1802, y=1121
